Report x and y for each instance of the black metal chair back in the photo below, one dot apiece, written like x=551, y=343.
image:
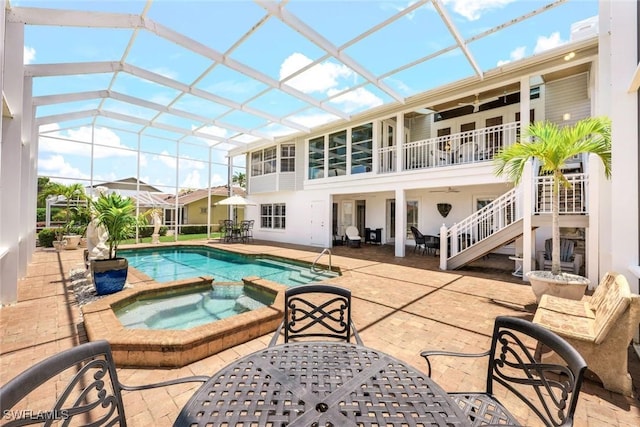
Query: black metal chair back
x=555, y=387
x=317, y=311
x=92, y=395
x=229, y=226
x=549, y=390
x=419, y=238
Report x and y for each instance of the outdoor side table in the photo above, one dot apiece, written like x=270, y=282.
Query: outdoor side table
x=518, y=269
x=323, y=384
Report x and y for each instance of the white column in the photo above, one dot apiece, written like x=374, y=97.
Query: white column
x=27, y=225
x=11, y=163
x=526, y=191
x=401, y=222
x=399, y=143
x=595, y=178
x=618, y=61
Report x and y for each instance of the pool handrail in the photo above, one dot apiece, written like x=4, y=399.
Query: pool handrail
x=313, y=266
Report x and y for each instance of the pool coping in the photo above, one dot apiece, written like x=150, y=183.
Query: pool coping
x=177, y=348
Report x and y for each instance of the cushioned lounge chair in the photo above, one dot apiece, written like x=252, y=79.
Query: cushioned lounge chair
x=353, y=236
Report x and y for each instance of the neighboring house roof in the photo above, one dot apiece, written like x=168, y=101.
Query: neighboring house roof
x=202, y=193
x=128, y=184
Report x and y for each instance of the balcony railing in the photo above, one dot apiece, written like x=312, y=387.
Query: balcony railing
x=573, y=199
x=474, y=146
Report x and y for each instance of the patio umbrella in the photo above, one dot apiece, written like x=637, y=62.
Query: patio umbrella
x=236, y=201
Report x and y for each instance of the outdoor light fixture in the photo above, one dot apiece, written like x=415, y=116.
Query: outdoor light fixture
x=569, y=56
x=444, y=209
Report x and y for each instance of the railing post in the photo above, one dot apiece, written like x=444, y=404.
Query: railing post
x=528, y=187
x=443, y=247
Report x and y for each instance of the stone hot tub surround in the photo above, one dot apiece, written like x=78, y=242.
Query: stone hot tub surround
x=177, y=348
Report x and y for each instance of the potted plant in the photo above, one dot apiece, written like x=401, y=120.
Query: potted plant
x=117, y=215
x=552, y=146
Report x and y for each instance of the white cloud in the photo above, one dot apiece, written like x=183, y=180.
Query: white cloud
x=110, y=145
x=516, y=54
x=319, y=78
x=166, y=159
x=545, y=43
x=312, y=120
x=56, y=165
x=473, y=9
x=355, y=99
x=192, y=180
x=29, y=54
x=213, y=130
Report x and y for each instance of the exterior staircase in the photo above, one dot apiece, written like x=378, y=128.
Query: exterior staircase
x=501, y=221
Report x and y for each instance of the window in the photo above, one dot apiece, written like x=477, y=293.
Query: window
x=316, y=158
x=273, y=216
x=263, y=162
x=287, y=158
x=203, y=211
x=361, y=146
x=338, y=153
x=412, y=217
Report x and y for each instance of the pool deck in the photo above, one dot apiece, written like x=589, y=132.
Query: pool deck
x=401, y=306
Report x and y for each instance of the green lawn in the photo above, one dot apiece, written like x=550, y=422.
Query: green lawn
x=169, y=239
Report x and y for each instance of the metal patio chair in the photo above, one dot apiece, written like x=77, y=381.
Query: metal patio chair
x=92, y=395
x=419, y=238
x=549, y=390
x=317, y=311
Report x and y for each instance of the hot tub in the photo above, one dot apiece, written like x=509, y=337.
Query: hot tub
x=175, y=348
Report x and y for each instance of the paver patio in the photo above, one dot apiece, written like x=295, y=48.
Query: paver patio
x=401, y=306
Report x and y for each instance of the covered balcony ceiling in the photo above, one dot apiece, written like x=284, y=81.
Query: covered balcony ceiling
x=230, y=73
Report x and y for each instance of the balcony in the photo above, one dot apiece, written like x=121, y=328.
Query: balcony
x=462, y=148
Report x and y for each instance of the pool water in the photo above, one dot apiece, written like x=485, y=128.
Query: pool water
x=176, y=263
x=192, y=308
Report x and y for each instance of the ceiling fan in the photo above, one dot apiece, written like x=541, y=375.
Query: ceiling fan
x=447, y=190
x=476, y=102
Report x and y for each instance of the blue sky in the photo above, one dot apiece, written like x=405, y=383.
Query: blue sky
x=239, y=30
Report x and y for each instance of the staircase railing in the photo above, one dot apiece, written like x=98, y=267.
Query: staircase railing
x=499, y=214
x=313, y=266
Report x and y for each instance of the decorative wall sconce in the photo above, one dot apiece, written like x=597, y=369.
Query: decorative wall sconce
x=444, y=209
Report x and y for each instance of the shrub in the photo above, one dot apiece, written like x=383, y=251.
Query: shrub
x=47, y=236
x=41, y=214
x=194, y=229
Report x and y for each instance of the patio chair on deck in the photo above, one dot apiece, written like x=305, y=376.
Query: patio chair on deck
x=317, y=311
x=549, y=390
x=229, y=230
x=419, y=238
x=353, y=236
x=92, y=394
x=569, y=261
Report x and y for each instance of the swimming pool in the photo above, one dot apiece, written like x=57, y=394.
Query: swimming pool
x=182, y=262
x=192, y=307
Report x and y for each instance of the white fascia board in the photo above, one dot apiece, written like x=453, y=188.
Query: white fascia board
x=69, y=97
x=63, y=117
x=635, y=81
x=72, y=18
x=71, y=68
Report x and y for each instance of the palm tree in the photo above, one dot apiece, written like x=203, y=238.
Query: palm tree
x=240, y=179
x=552, y=146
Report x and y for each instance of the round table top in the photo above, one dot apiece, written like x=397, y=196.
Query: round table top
x=320, y=383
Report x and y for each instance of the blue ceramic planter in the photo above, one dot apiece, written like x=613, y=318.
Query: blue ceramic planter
x=110, y=275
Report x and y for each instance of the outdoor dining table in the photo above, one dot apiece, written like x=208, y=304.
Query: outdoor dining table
x=320, y=384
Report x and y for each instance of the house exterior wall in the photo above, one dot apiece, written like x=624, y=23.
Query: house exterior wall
x=568, y=96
